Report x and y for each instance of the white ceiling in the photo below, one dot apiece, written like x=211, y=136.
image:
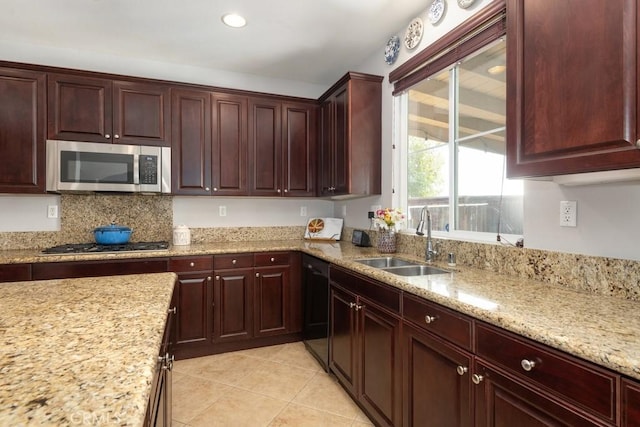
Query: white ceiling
x=312, y=41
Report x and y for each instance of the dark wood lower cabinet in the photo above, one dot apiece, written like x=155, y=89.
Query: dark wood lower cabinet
x=437, y=382
x=365, y=348
x=15, y=272
x=233, y=305
x=630, y=403
x=72, y=269
x=271, y=301
x=502, y=400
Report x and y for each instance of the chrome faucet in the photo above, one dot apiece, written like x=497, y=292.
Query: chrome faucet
x=420, y=229
x=430, y=251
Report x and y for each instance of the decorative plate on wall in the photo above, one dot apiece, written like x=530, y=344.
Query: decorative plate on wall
x=436, y=11
x=413, y=35
x=391, y=50
x=465, y=3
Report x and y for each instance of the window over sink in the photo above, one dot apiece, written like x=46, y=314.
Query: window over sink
x=452, y=141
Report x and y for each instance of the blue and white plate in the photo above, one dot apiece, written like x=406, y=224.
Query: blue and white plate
x=391, y=50
x=436, y=11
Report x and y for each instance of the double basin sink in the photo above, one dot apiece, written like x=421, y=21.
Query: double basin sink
x=401, y=267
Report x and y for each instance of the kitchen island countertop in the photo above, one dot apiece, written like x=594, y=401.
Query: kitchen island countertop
x=597, y=328
x=81, y=351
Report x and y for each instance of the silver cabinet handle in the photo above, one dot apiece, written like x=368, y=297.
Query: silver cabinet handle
x=257, y=274
x=192, y=264
x=107, y=136
x=215, y=188
x=429, y=319
x=217, y=277
x=278, y=190
x=209, y=278
x=352, y=304
x=207, y=189
x=173, y=310
x=477, y=379
x=527, y=365
x=359, y=307
x=286, y=191
x=273, y=259
x=116, y=136
x=233, y=261
x=461, y=370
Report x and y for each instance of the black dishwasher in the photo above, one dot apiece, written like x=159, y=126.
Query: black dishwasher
x=315, y=293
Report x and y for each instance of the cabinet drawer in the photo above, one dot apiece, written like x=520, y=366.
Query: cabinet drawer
x=590, y=387
x=384, y=295
x=271, y=258
x=439, y=320
x=233, y=261
x=191, y=264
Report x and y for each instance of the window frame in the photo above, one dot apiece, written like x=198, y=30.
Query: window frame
x=483, y=29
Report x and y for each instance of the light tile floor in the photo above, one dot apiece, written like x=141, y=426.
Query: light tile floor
x=281, y=385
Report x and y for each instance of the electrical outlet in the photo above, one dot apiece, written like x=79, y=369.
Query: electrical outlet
x=303, y=211
x=222, y=211
x=52, y=211
x=568, y=213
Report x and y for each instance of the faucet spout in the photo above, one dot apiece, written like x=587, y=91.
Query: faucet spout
x=430, y=253
x=420, y=229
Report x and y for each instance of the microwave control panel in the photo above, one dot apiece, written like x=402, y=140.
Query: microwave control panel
x=148, y=169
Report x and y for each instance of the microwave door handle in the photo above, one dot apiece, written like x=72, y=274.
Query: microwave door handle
x=136, y=169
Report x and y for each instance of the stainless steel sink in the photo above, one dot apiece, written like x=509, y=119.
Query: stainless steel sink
x=385, y=262
x=415, y=270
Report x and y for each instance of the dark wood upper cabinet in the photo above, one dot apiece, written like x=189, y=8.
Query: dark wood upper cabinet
x=89, y=109
x=265, y=147
x=22, y=131
x=191, y=142
x=229, y=145
x=572, y=81
x=141, y=113
x=299, y=152
x=350, y=137
x=282, y=148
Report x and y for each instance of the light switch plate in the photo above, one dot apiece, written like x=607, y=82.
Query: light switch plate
x=222, y=211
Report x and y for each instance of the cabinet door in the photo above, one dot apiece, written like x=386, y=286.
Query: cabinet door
x=504, y=401
x=141, y=114
x=15, y=272
x=341, y=155
x=265, y=147
x=299, y=149
x=80, y=108
x=325, y=152
x=571, y=101
x=380, y=364
x=233, y=305
x=630, y=403
x=22, y=131
x=229, y=145
x=191, y=142
x=194, y=296
x=343, y=338
x=437, y=385
x=271, y=301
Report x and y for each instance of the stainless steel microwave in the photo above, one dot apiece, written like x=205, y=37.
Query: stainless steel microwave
x=88, y=166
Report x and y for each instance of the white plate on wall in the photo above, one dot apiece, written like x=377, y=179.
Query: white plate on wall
x=413, y=35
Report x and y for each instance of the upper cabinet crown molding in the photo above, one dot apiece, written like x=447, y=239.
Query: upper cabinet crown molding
x=572, y=81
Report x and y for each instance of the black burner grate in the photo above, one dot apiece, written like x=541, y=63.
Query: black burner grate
x=81, y=248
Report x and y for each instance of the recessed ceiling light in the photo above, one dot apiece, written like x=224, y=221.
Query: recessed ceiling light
x=234, y=20
x=498, y=69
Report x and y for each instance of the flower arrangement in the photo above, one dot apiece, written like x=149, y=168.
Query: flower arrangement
x=388, y=218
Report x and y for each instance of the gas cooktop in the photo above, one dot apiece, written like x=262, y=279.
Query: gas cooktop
x=87, y=248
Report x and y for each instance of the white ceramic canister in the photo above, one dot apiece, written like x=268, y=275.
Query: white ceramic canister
x=181, y=235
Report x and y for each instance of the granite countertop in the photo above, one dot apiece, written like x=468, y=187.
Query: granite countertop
x=81, y=351
x=597, y=328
